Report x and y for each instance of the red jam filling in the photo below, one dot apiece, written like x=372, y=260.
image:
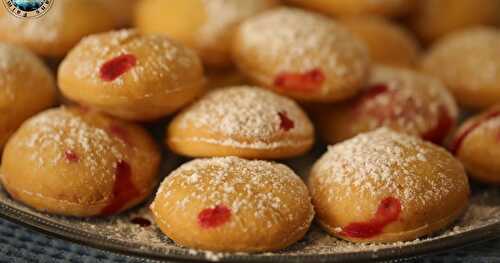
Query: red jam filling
x=443, y=127
x=120, y=132
x=117, y=66
x=460, y=137
x=124, y=189
x=71, y=156
x=143, y=222
x=307, y=81
x=388, y=211
x=214, y=217
x=286, y=123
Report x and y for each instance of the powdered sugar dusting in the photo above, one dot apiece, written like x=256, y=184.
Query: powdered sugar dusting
x=165, y=60
x=384, y=162
x=415, y=100
x=246, y=114
x=293, y=40
x=245, y=187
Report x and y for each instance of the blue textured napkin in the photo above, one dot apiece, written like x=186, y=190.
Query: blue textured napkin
x=19, y=244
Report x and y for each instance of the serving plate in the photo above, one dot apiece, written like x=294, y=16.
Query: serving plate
x=135, y=234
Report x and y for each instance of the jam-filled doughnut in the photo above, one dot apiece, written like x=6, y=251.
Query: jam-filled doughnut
x=468, y=62
x=234, y=205
x=358, y=7
x=383, y=186
x=248, y=122
x=77, y=162
x=405, y=100
x=433, y=19
x=300, y=54
x=387, y=42
x=131, y=76
x=206, y=25
x=476, y=145
x=56, y=32
x=27, y=87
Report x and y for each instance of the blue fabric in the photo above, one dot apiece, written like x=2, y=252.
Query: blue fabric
x=18, y=244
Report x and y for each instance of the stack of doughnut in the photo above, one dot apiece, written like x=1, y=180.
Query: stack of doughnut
x=243, y=85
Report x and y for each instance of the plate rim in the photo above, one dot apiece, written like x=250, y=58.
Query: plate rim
x=38, y=224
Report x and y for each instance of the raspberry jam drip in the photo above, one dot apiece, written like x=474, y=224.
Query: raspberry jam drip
x=214, y=217
x=117, y=66
x=286, y=123
x=388, y=211
x=143, y=222
x=124, y=189
x=71, y=156
x=308, y=81
x=120, y=132
x=461, y=136
x=443, y=127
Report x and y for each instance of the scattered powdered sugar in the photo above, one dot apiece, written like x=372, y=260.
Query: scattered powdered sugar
x=246, y=114
x=292, y=40
x=468, y=59
x=164, y=60
x=224, y=15
x=382, y=162
x=55, y=132
x=484, y=211
x=416, y=100
x=247, y=187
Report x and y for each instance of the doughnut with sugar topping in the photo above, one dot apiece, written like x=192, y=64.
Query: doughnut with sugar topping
x=27, y=87
x=384, y=186
x=303, y=55
x=404, y=100
x=77, y=162
x=56, y=32
x=243, y=121
x=233, y=205
x=130, y=75
x=468, y=62
x=205, y=25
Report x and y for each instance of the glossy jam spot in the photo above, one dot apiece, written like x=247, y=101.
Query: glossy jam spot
x=120, y=133
x=308, y=81
x=71, y=156
x=117, y=66
x=462, y=135
x=442, y=128
x=214, y=217
x=143, y=222
x=388, y=211
x=124, y=189
x=286, y=123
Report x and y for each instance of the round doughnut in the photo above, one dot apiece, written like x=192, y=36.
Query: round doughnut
x=122, y=10
x=476, y=145
x=358, y=7
x=404, y=100
x=233, y=205
x=300, y=54
x=56, y=32
x=432, y=19
x=131, y=76
x=468, y=62
x=205, y=25
x=387, y=42
x=27, y=87
x=383, y=186
x=76, y=162
x=243, y=121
